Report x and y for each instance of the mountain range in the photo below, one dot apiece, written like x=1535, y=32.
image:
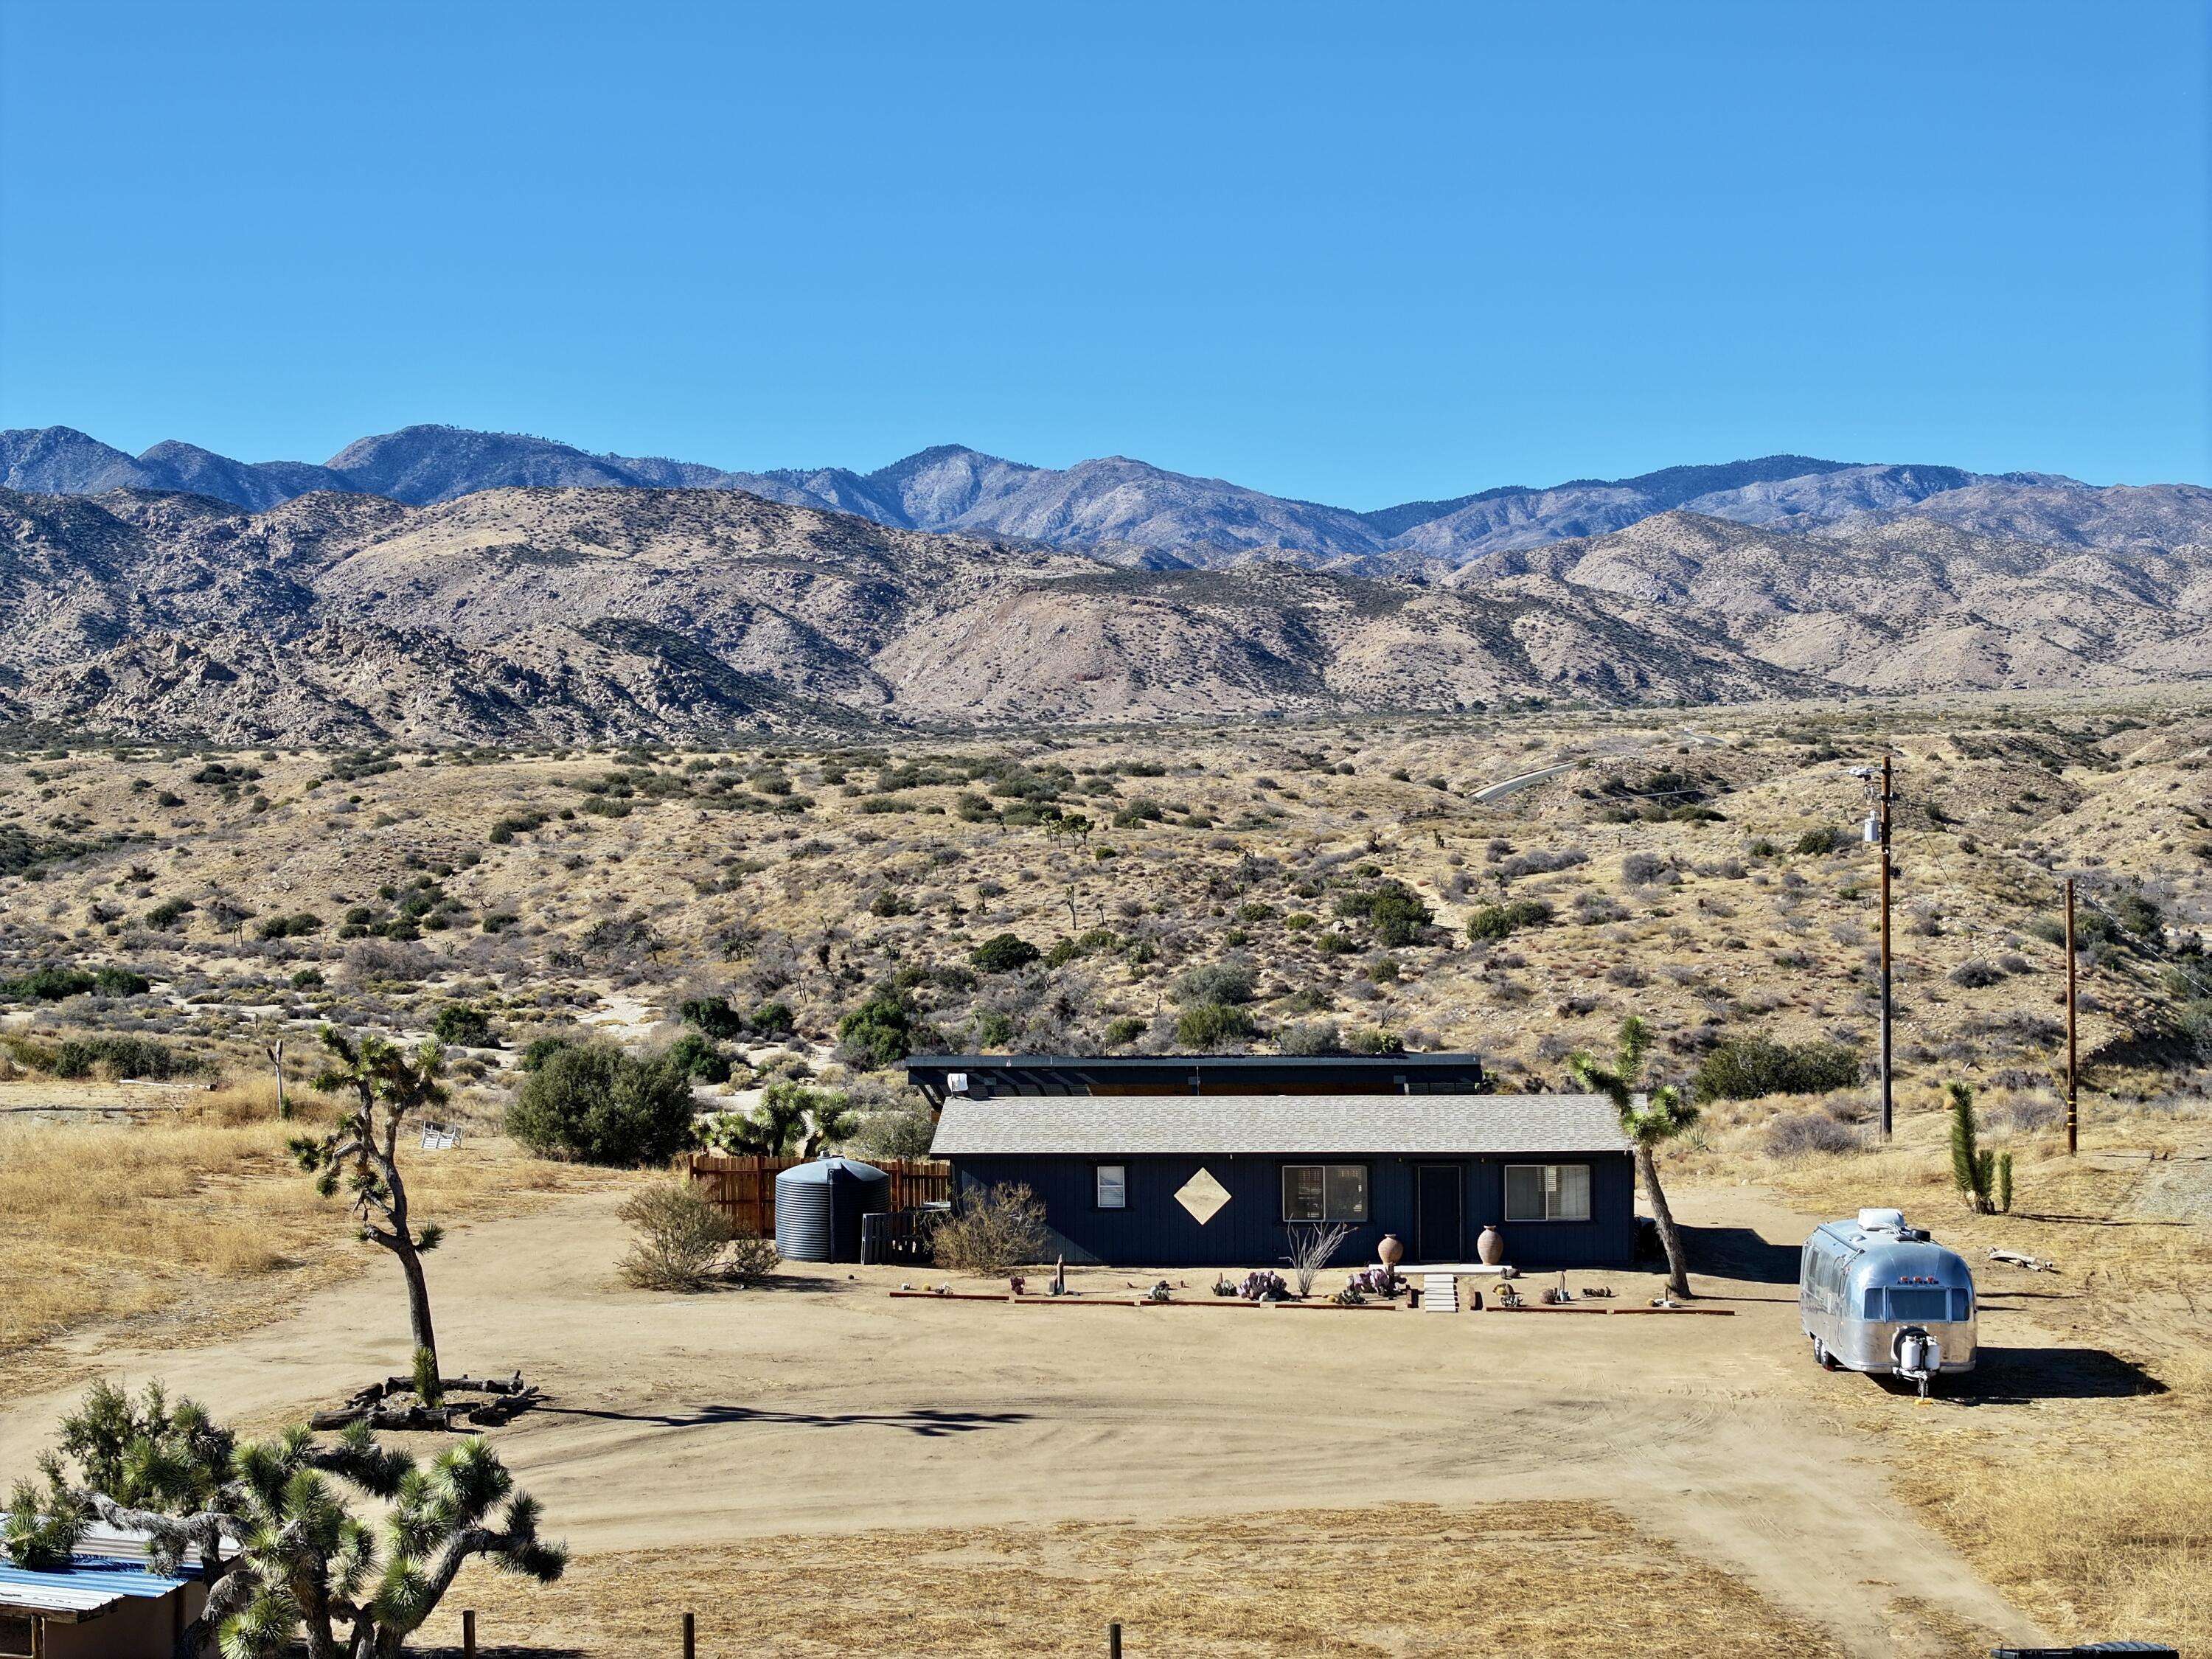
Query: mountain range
x=568, y=613
x=1132, y=513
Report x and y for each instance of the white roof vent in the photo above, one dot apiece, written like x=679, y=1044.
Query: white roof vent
x=1882, y=1221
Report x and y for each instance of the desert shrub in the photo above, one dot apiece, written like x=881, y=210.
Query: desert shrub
x=54, y=983
x=1497, y=921
x=1824, y=840
x=595, y=1104
x=772, y=1020
x=1334, y=944
x=119, y=1056
x=1793, y=1134
x=1748, y=1067
x=1319, y=1036
x=1227, y=982
x=1643, y=869
x=298, y=926
x=699, y=1058
x=906, y=1132
x=463, y=1025
x=715, y=1016
x=1976, y=974
x=1209, y=1024
x=1126, y=1029
x=1003, y=953
x=677, y=1237
x=996, y=1230
x=2029, y=1113
x=168, y=913
x=1373, y=1039
x=883, y=1030
x=1394, y=910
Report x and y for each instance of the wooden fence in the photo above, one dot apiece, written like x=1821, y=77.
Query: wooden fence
x=743, y=1188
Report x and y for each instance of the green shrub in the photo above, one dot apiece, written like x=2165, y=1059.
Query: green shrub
x=1126, y=1029
x=168, y=914
x=1376, y=1041
x=1224, y=982
x=1824, y=840
x=883, y=1030
x=1003, y=953
x=1497, y=921
x=1748, y=1067
x=715, y=1016
x=119, y=1056
x=699, y=1058
x=1209, y=1024
x=596, y=1104
x=773, y=1020
x=463, y=1025
x=54, y=983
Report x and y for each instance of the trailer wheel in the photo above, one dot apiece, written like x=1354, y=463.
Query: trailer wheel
x=1821, y=1357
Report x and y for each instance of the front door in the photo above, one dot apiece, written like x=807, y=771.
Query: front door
x=1439, y=1235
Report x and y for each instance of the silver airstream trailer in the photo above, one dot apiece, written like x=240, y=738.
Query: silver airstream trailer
x=1876, y=1295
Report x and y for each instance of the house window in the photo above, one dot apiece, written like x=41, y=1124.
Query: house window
x=1547, y=1192
x=1324, y=1192
x=1113, y=1186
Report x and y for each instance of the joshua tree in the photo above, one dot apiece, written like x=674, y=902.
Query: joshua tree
x=286, y=1559
x=791, y=1119
x=1650, y=1119
x=1972, y=1169
x=362, y=1153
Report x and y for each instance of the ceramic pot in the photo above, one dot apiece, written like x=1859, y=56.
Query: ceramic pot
x=1491, y=1247
x=1389, y=1252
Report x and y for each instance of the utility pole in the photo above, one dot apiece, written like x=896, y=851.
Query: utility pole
x=1879, y=797
x=2073, y=1044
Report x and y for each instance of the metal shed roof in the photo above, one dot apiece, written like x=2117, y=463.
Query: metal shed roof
x=81, y=1588
x=1418, y=1125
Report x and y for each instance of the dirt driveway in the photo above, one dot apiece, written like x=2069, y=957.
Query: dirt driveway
x=827, y=1405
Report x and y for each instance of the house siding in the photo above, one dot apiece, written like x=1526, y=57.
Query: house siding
x=1154, y=1231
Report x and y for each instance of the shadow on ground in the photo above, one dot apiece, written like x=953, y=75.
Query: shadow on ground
x=1739, y=1253
x=2017, y=1377
x=928, y=1424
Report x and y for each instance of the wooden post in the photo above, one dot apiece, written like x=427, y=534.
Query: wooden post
x=2072, y=1039
x=469, y=1634
x=1114, y=1640
x=691, y=1637
x=1886, y=1073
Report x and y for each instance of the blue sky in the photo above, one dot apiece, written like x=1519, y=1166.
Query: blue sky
x=1356, y=253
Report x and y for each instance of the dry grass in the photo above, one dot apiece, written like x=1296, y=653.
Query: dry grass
x=1412, y=1579
x=168, y=1215
x=2087, y=1497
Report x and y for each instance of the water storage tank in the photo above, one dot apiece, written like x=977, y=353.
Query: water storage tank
x=818, y=1207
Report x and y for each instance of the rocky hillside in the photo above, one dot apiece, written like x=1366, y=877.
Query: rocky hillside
x=586, y=614
x=1135, y=514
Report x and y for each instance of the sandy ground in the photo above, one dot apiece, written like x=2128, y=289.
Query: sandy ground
x=826, y=1406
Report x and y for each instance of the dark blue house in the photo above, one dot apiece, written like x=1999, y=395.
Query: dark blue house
x=1203, y=1160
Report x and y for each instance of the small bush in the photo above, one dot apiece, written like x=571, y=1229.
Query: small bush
x=1227, y=982
x=1973, y=975
x=1126, y=1029
x=1793, y=1134
x=1003, y=953
x=118, y=1057
x=1643, y=869
x=677, y=1237
x=1496, y=922
x=1211, y=1023
x=772, y=1020
x=715, y=1016
x=882, y=1031
x=1825, y=839
x=699, y=1058
x=1319, y=1036
x=1748, y=1067
x=594, y=1103
x=463, y=1025
x=997, y=1229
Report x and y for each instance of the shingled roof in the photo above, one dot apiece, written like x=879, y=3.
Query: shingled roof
x=1414, y=1125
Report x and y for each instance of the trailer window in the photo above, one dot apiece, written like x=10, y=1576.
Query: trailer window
x=1324, y=1192
x=1924, y=1304
x=1547, y=1192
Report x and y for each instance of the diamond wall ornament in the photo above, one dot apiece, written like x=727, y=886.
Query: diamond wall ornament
x=1203, y=1196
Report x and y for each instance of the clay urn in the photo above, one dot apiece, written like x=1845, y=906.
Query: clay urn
x=1491, y=1247
x=1389, y=1252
